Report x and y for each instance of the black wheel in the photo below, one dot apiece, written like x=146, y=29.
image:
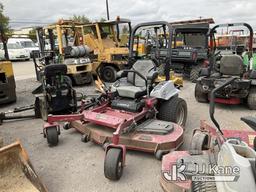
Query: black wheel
x=251, y=99
x=200, y=95
x=85, y=138
x=105, y=145
x=173, y=110
x=199, y=141
x=113, y=164
x=52, y=136
x=194, y=73
x=66, y=126
x=108, y=73
x=159, y=154
x=37, y=108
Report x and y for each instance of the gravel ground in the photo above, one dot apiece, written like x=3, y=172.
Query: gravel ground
x=76, y=166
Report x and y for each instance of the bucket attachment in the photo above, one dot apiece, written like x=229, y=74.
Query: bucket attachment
x=16, y=172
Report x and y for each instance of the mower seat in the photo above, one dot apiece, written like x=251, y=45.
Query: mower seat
x=55, y=69
x=135, y=86
x=231, y=65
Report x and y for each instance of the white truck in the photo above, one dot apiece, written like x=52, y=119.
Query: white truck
x=26, y=43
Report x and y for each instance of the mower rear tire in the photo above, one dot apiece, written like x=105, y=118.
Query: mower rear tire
x=52, y=136
x=174, y=110
x=108, y=73
x=194, y=73
x=200, y=95
x=113, y=164
x=199, y=141
x=251, y=99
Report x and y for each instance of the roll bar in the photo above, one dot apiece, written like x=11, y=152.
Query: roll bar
x=148, y=24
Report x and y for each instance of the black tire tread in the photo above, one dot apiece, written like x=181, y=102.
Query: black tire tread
x=168, y=110
x=112, y=158
x=200, y=96
x=194, y=73
x=251, y=99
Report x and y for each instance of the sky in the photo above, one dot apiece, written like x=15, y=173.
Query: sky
x=48, y=11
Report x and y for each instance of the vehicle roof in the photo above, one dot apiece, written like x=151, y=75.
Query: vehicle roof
x=19, y=39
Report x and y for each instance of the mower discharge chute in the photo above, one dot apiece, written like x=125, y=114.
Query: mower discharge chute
x=222, y=67
x=135, y=113
x=16, y=171
x=213, y=148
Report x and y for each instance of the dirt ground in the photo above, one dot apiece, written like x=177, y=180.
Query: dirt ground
x=76, y=166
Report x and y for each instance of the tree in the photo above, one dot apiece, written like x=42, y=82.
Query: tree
x=80, y=18
x=32, y=34
x=4, y=20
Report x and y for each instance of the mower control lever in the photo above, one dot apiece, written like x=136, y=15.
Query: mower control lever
x=212, y=101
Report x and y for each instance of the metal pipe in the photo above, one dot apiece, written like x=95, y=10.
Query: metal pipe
x=107, y=9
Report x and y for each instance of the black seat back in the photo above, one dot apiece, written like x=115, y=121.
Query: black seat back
x=142, y=66
x=231, y=65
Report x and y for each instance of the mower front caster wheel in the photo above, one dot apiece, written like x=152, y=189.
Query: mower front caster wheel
x=159, y=154
x=199, y=141
x=85, y=138
x=66, y=126
x=52, y=136
x=113, y=164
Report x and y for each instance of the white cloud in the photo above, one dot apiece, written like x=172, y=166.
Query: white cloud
x=136, y=10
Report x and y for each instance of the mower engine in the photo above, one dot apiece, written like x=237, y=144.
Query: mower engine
x=57, y=95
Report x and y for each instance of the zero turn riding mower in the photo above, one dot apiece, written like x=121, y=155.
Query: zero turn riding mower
x=16, y=171
x=214, y=154
x=242, y=89
x=137, y=114
x=55, y=95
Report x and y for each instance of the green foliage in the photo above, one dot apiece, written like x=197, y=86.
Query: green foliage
x=80, y=18
x=32, y=35
x=4, y=20
x=102, y=19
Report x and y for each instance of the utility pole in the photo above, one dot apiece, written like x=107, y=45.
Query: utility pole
x=107, y=10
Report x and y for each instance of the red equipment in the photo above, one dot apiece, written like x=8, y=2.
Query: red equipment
x=133, y=116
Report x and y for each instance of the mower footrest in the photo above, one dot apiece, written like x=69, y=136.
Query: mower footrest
x=154, y=126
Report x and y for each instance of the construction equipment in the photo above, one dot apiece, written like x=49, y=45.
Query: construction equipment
x=193, y=52
x=55, y=95
x=222, y=67
x=7, y=81
x=16, y=171
x=134, y=113
x=62, y=43
x=213, y=149
x=109, y=42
